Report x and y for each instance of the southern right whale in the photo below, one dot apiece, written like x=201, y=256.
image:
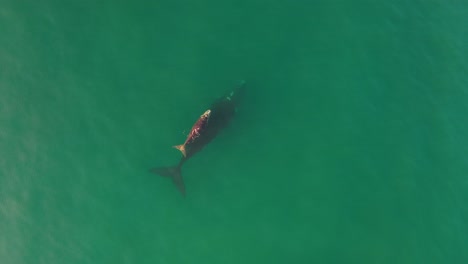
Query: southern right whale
x=205, y=129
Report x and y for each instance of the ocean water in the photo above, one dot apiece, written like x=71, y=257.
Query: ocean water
x=351, y=145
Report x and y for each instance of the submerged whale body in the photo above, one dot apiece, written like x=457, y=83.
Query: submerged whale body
x=205, y=129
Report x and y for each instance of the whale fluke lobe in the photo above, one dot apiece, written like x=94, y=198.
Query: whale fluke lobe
x=174, y=173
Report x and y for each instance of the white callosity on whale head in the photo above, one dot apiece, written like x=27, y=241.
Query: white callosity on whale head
x=229, y=96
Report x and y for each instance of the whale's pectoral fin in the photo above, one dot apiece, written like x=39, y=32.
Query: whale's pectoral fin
x=182, y=149
x=174, y=173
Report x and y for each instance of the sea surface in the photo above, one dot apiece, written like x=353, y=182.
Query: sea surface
x=351, y=145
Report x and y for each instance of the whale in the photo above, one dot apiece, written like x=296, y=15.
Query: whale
x=213, y=120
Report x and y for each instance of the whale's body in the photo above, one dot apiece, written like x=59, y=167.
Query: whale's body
x=205, y=129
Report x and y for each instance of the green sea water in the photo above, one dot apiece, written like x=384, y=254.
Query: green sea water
x=350, y=147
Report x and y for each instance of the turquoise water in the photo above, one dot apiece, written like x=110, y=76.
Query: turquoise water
x=351, y=146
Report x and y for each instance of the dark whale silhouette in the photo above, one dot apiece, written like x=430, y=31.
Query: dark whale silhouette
x=205, y=129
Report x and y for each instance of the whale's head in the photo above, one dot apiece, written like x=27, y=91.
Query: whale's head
x=235, y=96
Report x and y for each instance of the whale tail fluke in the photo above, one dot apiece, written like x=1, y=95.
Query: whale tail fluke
x=174, y=173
